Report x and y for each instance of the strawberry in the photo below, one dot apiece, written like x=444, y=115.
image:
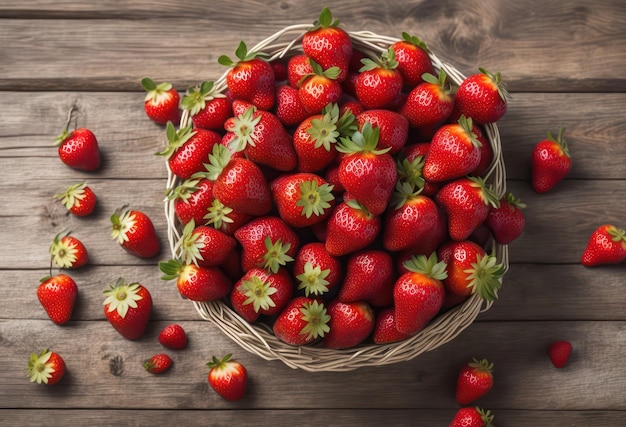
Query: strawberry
x=298, y=67
x=486, y=153
x=173, y=336
x=57, y=295
x=317, y=271
x=369, y=277
x=46, y=367
x=204, y=245
x=134, y=231
x=319, y=88
x=413, y=59
x=351, y=227
x=418, y=294
x=161, y=102
x=266, y=292
x=302, y=199
x=368, y=173
x=228, y=377
x=289, y=108
x=350, y=324
x=196, y=283
x=240, y=303
x=78, y=199
x=607, y=245
x=328, y=45
x=454, y=152
x=559, y=353
x=475, y=379
x=267, y=242
x=466, y=202
x=280, y=70
x=379, y=81
x=470, y=270
x=385, y=331
x=262, y=138
x=302, y=321
x=79, y=149
x=188, y=149
x=158, y=363
x=393, y=128
x=238, y=182
x=192, y=198
x=507, y=221
x=550, y=162
x=482, y=97
x=472, y=417
x=68, y=252
x=127, y=307
x=251, y=78
x=429, y=103
x=208, y=108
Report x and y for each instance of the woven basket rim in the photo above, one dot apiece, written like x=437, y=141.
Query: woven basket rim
x=257, y=337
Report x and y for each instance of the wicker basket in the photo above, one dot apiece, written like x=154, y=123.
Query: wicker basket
x=258, y=338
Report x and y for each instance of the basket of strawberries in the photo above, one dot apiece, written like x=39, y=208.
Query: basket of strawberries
x=337, y=199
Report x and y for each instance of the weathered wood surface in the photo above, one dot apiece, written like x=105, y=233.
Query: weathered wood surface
x=564, y=64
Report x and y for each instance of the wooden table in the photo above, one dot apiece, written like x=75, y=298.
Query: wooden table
x=564, y=64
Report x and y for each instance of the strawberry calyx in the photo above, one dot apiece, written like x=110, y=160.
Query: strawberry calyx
x=441, y=81
x=171, y=269
x=514, y=201
x=313, y=279
x=429, y=266
x=486, y=192
x=616, y=234
x=191, y=243
x=411, y=172
x=72, y=195
x=486, y=416
x=485, y=277
x=404, y=193
x=362, y=210
x=122, y=221
x=467, y=125
x=197, y=96
x=218, y=160
x=364, y=141
x=156, y=93
x=325, y=20
x=325, y=130
x=218, y=214
x=331, y=73
x=243, y=127
x=258, y=293
x=242, y=54
x=497, y=81
x=39, y=370
x=122, y=296
x=560, y=141
x=314, y=199
x=176, y=138
x=184, y=190
x=219, y=364
x=414, y=40
x=481, y=366
x=63, y=251
x=386, y=60
x=276, y=254
x=316, y=320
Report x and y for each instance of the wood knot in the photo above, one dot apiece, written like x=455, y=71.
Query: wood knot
x=116, y=366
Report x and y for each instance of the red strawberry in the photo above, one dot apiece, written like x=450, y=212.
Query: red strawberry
x=173, y=336
x=418, y=294
x=301, y=322
x=266, y=292
x=262, y=138
x=267, y=242
x=454, y=152
x=319, y=88
x=224, y=218
x=475, y=379
x=78, y=199
x=79, y=149
x=559, y=353
x=238, y=182
x=289, y=108
x=350, y=228
x=482, y=97
x=47, y=367
x=134, y=231
x=68, y=252
x=240, y=303
x=204, y=245
x=127, y=307
x=367, y=173
x=550, y=162
x=208, y=108
x=228, y=377
x=472, y=417
x=280, y=70
x=607, y=245
x=385, y=331
x=466, y=202
x=201, y=284
x=379, y=82
x=161, y=102
x=297, y=68
x=158, y=363
x=192, y=199
x=188, y=149
x=317, y=271
x=394, y=128
x=350, y=324
x=410, y=165
x=507, y=221
x=302, y=199
x=486, y=153
x=369, y=277
x=413, y=59
x=328, y=45
x=251, y=78
x=430, y=102
x=57, y=295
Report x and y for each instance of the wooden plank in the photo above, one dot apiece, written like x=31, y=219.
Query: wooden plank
x=468, y=34
x=100, y=362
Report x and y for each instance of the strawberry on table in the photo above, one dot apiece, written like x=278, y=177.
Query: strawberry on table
x=78, y=199
x=482, y=97
x=606, y=245
x=161, y=102
x=46, y=367
x=302, y=321
x=68, y=251
x=379, y=82
x=57, y=295
x=472, y=417
x=79, y=149
x=127, y=307
x=158, y=363
x=507, y=221
x=351, y=227
x=559, y=353
x=350, y=324
x=474, y=380
x=207, y=107
x=429, y=103
x=134, y=231
x=173, y=336
x=196, y=283
x=228, y=377
x=550, y=162
x=413, y=59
